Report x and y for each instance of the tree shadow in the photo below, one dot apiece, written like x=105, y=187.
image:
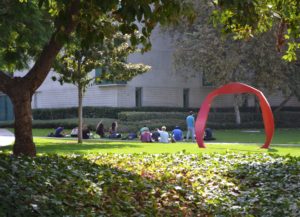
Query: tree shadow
x=82, y=148
x=53, y=185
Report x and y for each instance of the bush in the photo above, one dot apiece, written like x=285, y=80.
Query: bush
x=96, y=112
x=66, y=123
x=139, y=116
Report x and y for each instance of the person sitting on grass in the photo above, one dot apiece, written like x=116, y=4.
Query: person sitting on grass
x=59, y=132
x=100, y=129
x=85, y=132
x=155, y=135
x=113, y=131
x=177, y=134
x=164, y=135
x=208, y=136
x=143, y=129
x=146, y=136
x=74, y=132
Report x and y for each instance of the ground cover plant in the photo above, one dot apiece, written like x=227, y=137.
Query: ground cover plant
x=150, y=185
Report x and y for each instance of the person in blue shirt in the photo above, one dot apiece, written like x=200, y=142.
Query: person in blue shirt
x=59, y=132
x=190, y=122
x=177, y=134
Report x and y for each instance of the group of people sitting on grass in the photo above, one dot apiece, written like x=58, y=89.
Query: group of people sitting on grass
x=161, y=135
x=59, y=132
x=145, y=135
x=86, y=132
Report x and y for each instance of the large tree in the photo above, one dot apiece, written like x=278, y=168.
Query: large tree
x=34, y=31
x=202, y=48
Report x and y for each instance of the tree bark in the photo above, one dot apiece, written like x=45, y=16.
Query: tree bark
x=237, y=110
x=80, y=95
x=20, y=90
x=24, y=144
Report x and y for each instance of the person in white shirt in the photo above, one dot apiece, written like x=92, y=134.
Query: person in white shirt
x=164, y=135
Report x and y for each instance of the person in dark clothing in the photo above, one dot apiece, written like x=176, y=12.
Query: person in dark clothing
x=59, y=132
x=85, y=132
x=100, y=129
x=155, y=135
x=208, y=135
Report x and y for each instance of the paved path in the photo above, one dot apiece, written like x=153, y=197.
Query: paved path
x=6, y=137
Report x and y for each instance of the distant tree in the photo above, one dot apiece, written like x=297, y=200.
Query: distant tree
x=76, y=62
x=203, y=49
x=35, y=31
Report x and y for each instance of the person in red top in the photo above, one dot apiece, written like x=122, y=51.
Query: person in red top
x=146, y=136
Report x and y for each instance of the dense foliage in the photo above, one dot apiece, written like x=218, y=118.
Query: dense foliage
x=150, y=185
x=249, y=18
x=201, y=48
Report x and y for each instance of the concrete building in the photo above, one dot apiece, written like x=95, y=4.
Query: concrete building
x=161, y=86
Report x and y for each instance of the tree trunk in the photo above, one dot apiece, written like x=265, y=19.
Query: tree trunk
x=24, y=144
x=236, y=110
x=80, y=95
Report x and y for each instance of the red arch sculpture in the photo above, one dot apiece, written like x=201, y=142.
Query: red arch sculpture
x=233, y=88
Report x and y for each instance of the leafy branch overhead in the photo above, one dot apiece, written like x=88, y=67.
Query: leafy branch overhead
x=248, y=18
x=34, y=32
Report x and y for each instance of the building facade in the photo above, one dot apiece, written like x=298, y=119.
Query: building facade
x=161, y=86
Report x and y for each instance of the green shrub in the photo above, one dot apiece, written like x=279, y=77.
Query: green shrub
x=150, y=185
x=139, y=116
x=96, y=112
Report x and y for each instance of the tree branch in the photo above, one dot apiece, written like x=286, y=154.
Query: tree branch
x=42, y=66
x=5, y=80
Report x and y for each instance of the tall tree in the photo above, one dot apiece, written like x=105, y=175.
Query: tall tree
x=202, y=48
x=109, y=55
x=34, y=31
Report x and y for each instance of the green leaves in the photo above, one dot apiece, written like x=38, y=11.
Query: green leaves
x=250, y=18
x=150, y=185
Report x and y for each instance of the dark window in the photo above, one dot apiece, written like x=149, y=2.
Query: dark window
x=6, y=109
x=186, y=94
x=138, y=97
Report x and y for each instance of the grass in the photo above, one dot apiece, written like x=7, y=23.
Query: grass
x=281, y=136
x=285, y=141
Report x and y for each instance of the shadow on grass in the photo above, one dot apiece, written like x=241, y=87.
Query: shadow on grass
x=82, y=148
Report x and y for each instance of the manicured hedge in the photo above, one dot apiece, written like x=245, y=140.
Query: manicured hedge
x=96, y=112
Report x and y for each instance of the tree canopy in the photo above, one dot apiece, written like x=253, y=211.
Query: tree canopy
x=249, y=18
x=34, y=31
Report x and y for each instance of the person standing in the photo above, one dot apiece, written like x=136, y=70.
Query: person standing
x=190, y=122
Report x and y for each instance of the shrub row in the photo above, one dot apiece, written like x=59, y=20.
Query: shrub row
x=220, y=117
x=112, y=112
x=95, y=112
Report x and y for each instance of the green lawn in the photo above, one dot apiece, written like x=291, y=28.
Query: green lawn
x=65, y=146
x=286, y=141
